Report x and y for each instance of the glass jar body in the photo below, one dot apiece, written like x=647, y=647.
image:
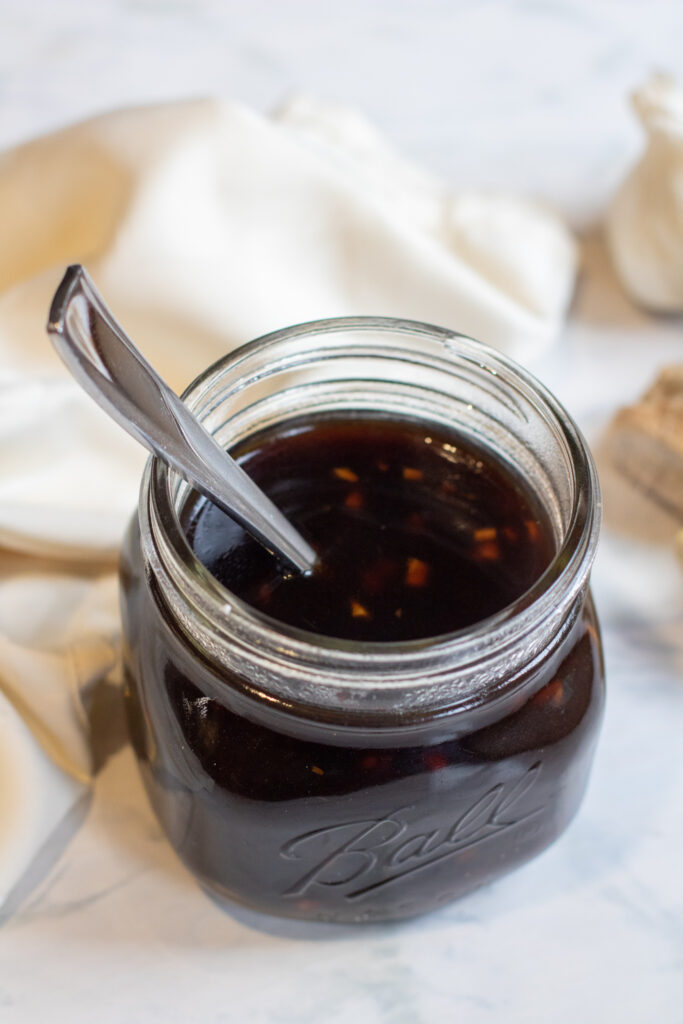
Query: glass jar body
x=358, y=828
x=307, y=779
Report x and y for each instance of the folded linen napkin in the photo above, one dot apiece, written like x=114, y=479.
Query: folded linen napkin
x=204, y=224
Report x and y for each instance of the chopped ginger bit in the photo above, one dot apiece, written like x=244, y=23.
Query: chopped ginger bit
x=382, y=466
x=488, y=551
x=486, y=533
x=359, y=611
x=344, y=473
x=550, y=694
x=510, y=534
x=398, y=613
x=436, y=761
x=417, y=573
x=354, y=499
x=411, y=474
x=316, y=770
x=532, y=529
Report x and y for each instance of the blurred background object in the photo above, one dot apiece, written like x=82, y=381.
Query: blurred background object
x=646, y=441
x=645, y=219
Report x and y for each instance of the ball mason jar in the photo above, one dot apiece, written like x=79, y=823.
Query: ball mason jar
x=320, y=779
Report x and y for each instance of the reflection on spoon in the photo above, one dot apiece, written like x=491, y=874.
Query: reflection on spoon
x=109, y=367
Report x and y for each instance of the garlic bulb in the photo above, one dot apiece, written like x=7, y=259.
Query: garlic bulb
x=645, y=222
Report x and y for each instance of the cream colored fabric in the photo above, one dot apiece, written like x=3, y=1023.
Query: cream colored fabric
x=204, y=225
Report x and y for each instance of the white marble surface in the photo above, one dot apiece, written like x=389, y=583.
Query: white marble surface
x=529, y=96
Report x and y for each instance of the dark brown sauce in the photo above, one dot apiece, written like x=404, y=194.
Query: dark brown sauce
x=418, y=532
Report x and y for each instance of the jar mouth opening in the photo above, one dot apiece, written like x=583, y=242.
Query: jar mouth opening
x=573, y=556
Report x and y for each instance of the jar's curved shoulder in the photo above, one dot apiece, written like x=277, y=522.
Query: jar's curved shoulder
x=564, y=698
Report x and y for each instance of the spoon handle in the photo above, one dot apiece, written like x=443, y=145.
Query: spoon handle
x=109, y=367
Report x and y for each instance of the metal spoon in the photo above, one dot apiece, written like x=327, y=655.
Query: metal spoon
x=107, y=365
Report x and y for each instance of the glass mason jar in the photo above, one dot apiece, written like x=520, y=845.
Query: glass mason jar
x=316, y=778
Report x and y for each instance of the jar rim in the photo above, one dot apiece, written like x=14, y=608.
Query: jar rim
x=558, y=586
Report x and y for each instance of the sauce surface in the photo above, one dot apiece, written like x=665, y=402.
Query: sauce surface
x=419, y=532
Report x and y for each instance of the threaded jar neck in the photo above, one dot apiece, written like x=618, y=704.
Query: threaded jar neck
x=393, y=368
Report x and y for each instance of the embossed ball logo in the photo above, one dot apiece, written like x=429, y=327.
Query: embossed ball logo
x=369, y=854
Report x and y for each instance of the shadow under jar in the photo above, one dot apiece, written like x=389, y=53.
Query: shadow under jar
x=337, y=779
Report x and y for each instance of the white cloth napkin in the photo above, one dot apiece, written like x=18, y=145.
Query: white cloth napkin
x=204, y=225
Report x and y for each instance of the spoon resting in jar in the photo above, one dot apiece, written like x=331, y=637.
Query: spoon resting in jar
x=109, y=367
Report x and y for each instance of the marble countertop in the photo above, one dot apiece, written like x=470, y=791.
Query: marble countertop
x=526, y=96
